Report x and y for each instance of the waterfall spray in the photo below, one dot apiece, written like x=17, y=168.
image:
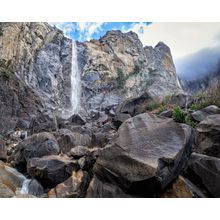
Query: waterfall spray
x=75, y=81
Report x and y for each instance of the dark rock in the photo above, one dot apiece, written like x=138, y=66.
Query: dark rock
x=99, y=189
x=135, y=106
x=201, y=114
x=37, y=145
x=99, y=139
x=51, y=170
x=79, y=151
x=3, y=150
x=204, y=171
x=167, y=113
x=207, y=138
x=35, y=188
x=77, y=119
x=148, y=154
x=183, y=188
x=74, y=187
x=120, y=118
x=87, y=162
x=43, y=122
x=181, y=99
x=68, y=139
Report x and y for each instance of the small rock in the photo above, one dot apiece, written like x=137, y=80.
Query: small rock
x=3, y=150
x=79, y=151
x=35, y=188
x=120, y=118
x=77, y=119
x=167, y=113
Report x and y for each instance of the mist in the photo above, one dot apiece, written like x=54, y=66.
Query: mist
x=199, y=64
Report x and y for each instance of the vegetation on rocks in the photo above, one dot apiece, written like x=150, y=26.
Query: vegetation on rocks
x=178, y=115
x=5, y=69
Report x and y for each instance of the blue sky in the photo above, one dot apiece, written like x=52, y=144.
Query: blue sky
x=183, y=38
x=83, y=31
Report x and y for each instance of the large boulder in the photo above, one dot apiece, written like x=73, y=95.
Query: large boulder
x=68, y=139
x=74, y=187
x=201, y=114
x=37, y=145
x=148, y=154
x=43, y=122
x=207, y=139
x=204, y=171
x=51, y=170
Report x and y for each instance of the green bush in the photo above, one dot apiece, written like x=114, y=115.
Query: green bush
x=178, y=115
x=5, y=69
x=120, y=78
x=190, y=121
x=203, y=104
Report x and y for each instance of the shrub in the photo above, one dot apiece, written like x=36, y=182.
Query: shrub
x=203, y=103
x=189, y=121
x=178, y=115
x=120, y=78
x=5, y=69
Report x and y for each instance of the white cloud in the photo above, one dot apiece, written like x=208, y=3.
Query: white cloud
x=87, y=29
x=182, y=38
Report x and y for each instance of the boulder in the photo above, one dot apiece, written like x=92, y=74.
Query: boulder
x=120, y=118
x=148, y=154
x=181, y=99
x=201, y=114
x=183, y=188
x=3, y=150
x=99, y=189
x=77, y=119
x=10, y=180
x=135, y=106
x=99, y=139
x=37, y=145
x=43, y=122
x=207, y=137
x=51, y=170
x=74, y=187
x=35, y=188
x=204, y=171
x=79, y=151
x=167, y=113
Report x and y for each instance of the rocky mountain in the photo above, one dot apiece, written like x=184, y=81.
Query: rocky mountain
x=113, y=146
x=117, y=67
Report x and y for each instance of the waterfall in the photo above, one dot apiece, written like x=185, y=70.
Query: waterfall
x=25, y=186
x=75, y=81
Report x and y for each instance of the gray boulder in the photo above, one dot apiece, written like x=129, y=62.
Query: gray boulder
x=79, y=151
x=201, y=115
x=120, y=118
x=37, y=145
x=51, y=170
x=207, y=138
x=148, y=154
x=204, y=171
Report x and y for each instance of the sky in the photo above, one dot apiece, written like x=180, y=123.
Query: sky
x=186, y=40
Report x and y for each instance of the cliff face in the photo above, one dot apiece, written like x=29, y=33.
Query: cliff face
x=41, y=57
x=114, y=68
x=118, y=67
